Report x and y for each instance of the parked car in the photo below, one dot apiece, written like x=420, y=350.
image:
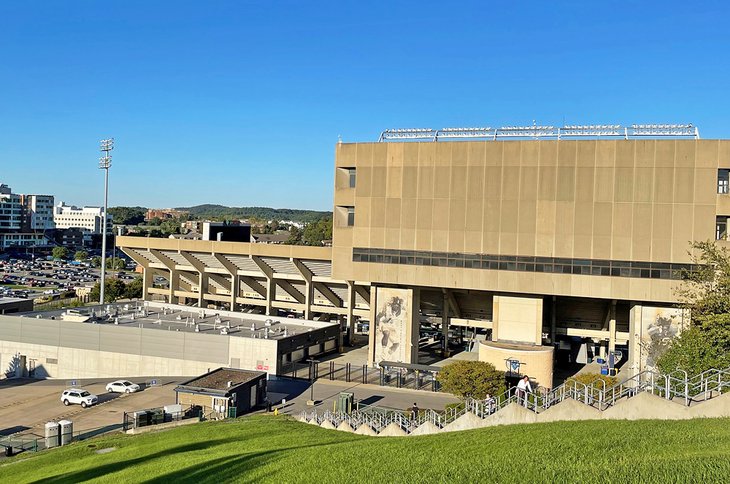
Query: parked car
x=78, y=396
x=122, y=386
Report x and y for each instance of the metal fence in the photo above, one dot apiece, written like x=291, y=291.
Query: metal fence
x=348, y=372
x=157, y=415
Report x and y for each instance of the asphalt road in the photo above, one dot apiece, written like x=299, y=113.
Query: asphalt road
x=26, y=405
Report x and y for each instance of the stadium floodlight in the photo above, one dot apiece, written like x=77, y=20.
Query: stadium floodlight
x=465, y=133
x=409, y=133
x=535, y=132
x=105, y=162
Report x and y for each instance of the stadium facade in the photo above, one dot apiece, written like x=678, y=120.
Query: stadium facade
x=542, y=250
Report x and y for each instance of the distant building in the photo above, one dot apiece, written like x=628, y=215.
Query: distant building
x=22, y=239
x=279, y=238
x=164, y=213
x=72, y=238
x=10, y=210
x=227, y=231
x=88, y=219
x=37, y=212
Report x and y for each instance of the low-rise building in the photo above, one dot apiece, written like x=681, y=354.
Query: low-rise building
x=224, y=389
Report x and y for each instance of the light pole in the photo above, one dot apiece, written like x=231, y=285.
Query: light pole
x=105, y=162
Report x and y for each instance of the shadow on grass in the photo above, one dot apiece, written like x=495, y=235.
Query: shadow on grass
x=227, y=468
x=98, y=471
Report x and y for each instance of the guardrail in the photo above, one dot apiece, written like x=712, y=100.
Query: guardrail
x=673, y=386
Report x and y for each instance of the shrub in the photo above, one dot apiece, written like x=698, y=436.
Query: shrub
x=471, y=379
x=588, y=378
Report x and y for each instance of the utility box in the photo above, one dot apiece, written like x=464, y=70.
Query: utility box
x=67, y=431
x=141, y=419
x=52, y=434
x=345, y=402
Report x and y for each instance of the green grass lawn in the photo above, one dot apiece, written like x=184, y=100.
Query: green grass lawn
x=278, y=449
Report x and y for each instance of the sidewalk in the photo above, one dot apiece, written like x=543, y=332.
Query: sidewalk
x=327, y=391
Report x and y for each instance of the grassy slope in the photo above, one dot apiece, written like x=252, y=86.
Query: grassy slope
x=278, y=449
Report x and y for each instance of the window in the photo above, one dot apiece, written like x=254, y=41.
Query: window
x=351, y=173
x=723, y=181
x=350, y=216
x=721, y=228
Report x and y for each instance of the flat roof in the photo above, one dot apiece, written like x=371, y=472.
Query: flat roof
x=218, y=379
x=176, y=317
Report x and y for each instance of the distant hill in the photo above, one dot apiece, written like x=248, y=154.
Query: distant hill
x=221, y=211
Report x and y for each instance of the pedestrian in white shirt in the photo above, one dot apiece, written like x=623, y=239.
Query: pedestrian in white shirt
x=523, y=388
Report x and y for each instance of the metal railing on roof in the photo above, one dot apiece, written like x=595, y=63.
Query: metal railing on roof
x=544, y=132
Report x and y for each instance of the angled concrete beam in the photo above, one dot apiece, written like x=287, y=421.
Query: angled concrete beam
x=199, y=266
x=291, y=290
x=452, y=302
x=307, y=275
x=270, y=283
x=255, y=285
x=327, y=293
x=235, y=282
x=166, y=261
x=363, y=291
x=202, y=276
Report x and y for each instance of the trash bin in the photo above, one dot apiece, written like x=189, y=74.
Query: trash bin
x=604, y=370
x=8, y=451
x=268, y=406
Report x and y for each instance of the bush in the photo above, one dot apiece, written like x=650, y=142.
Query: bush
x=696, y=350
x=473, y=379
x=588, y=378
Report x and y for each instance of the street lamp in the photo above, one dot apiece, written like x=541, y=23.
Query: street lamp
x=105, y=162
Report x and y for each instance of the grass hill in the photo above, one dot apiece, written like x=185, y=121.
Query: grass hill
x=279, y=449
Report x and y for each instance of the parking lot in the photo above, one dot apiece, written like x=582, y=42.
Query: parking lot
x=47, y=278
x=26, y=405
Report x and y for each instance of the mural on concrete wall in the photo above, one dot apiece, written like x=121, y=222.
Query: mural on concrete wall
x=658, y=327
x=391, y=325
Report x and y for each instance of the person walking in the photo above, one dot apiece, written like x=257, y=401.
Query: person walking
x=523, y=389
x=414, y=411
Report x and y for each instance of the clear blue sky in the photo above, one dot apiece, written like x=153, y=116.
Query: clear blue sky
x=241, y=103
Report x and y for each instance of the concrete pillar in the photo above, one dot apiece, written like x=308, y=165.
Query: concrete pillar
x=270, y=294
x=235, y=289
x=553, y=320
x=351, y=309
x=612, y=327
x=146, y=283
x=174, y=284
x=202, y=287
x=309, y=290
x=445, y=325
x=373, y=320
x=634, y=360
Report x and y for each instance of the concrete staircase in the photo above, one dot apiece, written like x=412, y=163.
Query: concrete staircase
x=648, y=395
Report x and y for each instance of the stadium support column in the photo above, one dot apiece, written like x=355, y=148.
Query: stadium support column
x=351, y=310
x=202, y=276
x=146, y=283
x=553, y=320
x=308, y=285
x=373, y=321
x=634, y=360
x=612, y=328
x=235, y=281
x=445, y=325
x=174, y=285
x=270, y=283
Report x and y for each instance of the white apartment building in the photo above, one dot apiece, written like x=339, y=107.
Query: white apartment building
x=38, y=212
x=10, y=210
x=88, y=219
